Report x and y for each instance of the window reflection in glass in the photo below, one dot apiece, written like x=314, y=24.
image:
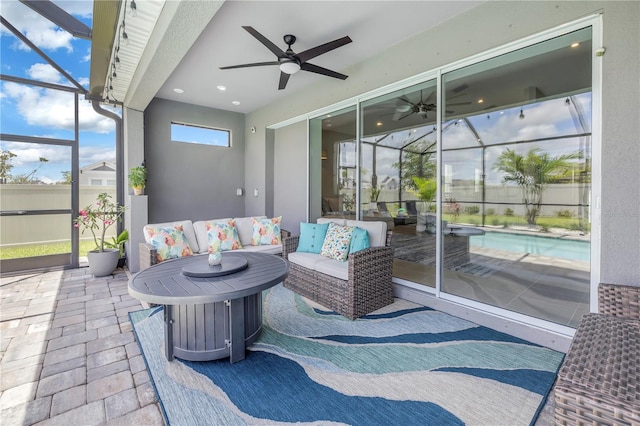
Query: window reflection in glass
x=516, y=180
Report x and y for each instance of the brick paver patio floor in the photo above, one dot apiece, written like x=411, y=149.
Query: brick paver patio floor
x=68, y=352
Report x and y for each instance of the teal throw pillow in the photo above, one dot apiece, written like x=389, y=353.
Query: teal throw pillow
x=359, y=240
x=311, y=237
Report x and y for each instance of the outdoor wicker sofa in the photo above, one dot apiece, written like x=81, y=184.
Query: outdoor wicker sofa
x=364, y=284
x=197, y=238
x=599, y=381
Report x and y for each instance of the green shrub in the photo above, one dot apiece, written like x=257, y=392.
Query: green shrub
x=471, y=210
x=564, y=213
x=490, y=212
x=505, y=224
x=495, y=221
x=508, y=212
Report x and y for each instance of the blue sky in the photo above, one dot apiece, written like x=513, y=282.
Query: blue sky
x=32, y=111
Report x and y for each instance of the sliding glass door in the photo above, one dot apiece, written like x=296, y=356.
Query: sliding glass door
x=516, y=173
x=482, y=171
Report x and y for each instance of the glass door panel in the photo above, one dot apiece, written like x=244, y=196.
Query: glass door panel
x=517, y=180
x=398, y=175
x=35, y=195
x=333, y=158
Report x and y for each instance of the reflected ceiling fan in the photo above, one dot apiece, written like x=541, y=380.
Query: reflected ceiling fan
x=291, y=62
x=422, y=107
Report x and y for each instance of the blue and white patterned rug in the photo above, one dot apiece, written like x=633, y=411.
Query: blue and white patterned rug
x=404, y=364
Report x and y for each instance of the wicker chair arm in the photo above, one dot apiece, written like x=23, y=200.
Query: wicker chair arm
x=374, y=263
x=284, y=234
x=619, y=300
x=289, y=245
x=148, y=255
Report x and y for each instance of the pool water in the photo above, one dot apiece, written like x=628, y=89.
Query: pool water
x=545, y=246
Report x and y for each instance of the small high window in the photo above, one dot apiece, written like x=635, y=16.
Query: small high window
x=189, y=133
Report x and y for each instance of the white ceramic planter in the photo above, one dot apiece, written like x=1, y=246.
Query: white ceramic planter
x=103, y=263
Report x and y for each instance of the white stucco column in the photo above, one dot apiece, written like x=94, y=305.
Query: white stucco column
x=136, y=215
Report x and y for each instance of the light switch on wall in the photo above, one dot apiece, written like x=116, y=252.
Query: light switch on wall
x=255, y=192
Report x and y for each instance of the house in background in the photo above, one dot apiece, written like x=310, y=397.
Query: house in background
x=175, y=79
x=102, y=173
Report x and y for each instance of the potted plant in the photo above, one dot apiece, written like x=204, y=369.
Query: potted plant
x=138, y=179
x=374, y=193
x=97, y=219
x=118, y=242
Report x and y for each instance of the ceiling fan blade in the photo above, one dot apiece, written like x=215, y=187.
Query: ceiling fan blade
x=284, y=78
x=405, y=116
x=269, y=45
x=320, y=70
x=404, y=99
x=255, y=64
x=323, y=48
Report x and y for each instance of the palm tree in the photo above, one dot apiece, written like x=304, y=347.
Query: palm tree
x=533, y=173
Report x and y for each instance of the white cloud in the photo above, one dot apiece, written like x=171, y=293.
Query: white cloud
x=54, y=109
x=44, y=72
x=42, y=32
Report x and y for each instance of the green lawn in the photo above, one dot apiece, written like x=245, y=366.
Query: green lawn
x=32, y=250
x=506, y=221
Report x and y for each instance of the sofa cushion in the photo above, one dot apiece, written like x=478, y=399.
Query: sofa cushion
x=187, y=228
x=270, y=249
x=245, y=228
x=337, y=241
x=312, y=237
x=222, y=236
x=306, y=260
x=334, y=268
x=201, y=235
x=170, y=242
x=377, y=231
x=266, y=231
x=337, y=220
x=359, y=240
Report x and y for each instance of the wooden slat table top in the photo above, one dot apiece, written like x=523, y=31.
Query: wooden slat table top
x=165, y=284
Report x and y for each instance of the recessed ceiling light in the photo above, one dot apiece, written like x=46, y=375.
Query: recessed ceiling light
x=222, y=88
x=576, y=44
x=480, y=101
x=178, y=90
x=236, y=102
x=379, y=123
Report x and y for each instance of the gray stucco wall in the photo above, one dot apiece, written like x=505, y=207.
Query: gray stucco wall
x=491, y=25
x=287, y=203
x=191, y=181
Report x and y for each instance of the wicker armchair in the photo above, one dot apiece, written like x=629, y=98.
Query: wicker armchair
x=368, y=288
x=599, y=382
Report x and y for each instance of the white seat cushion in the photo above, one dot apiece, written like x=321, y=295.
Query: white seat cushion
x=269, y=249
x=306, y=260
x=187, y=228
x=335, y=268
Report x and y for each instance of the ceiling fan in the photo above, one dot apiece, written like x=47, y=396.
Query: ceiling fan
x=291, y=62
x=421, y=107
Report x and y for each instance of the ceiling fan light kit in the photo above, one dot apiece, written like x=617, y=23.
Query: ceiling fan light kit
x=290, y=62
x=289, y=67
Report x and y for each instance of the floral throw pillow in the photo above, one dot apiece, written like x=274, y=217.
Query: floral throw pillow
x=266, y=231
x=337, y=242
x=222, y=236
x=170, y=242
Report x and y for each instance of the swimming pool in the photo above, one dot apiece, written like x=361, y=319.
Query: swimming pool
x=545, y=246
